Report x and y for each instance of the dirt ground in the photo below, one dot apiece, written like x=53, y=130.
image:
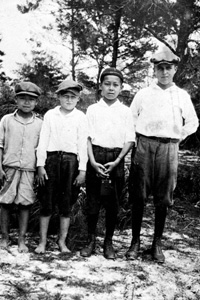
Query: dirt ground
x=57, y=276
x=71, y=277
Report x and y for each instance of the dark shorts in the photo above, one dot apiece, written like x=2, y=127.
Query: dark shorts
x=95, y=199
x=62, y=169
x=153, y=171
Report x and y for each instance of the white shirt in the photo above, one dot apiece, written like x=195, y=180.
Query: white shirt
x=110, y=126
x=164, y=113
x=64, y=133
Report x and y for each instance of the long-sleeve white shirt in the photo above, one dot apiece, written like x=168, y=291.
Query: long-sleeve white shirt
x=164, y=113
x=110, y=126
x=64, y=133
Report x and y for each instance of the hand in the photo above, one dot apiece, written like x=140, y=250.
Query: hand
x=100, y=169
x=109, y=167
x=2, y=177
x=41, y=176
x=80, y=179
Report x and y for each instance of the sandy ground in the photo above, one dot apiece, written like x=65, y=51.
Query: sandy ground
x=72, y=277
x=58, y=276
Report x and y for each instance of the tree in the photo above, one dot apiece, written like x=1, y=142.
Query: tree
x=98, y=31
x=45, y=71
x=42, y=69
x=3, y=76
x=115, y=32
x=174, y=23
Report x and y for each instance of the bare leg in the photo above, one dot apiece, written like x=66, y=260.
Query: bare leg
x=44, y=224
x=5, y=220
x=23, y=224
x=64, y=227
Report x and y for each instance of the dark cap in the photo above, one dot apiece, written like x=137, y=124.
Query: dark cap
x=164, y=56
x=69, y=85
x=111, y=71
x=27, y=88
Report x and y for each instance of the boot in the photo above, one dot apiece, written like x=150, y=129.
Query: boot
x=156, y=251
x=108, y=250
x=90, y=248
x=133, y=251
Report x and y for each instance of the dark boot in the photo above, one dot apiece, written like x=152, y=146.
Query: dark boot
x=137, y=214
x=108, y=250
x=90, y=248
x=157, y=253
x=133, y=251
x=156, y=250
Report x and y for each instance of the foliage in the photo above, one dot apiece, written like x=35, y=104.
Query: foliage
x=102, y=34
x=42, y=69
x=120, y=33
x=3, y=76
x=7, y=102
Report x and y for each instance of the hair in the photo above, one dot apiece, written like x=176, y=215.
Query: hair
x=103, y=77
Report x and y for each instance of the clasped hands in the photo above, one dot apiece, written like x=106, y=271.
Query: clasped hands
x=104, y=171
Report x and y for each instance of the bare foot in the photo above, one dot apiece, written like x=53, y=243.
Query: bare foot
x=40, y=248
x=63, y=247
x=22, y=248
x=4, y=243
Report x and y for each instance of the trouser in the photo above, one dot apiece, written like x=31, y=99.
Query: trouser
x=62, y=169
x=95, y=200
x=153, y=171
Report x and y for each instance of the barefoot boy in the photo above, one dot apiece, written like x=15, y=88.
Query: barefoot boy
x=62, y=158
x=111, y=136
x=19, y=135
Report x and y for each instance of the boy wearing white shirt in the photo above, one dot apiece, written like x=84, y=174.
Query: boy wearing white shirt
x=61, y=161
x=163, y=116
x=111, y=136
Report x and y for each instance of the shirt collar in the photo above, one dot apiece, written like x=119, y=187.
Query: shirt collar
x=157, y=87
x=57, y=110
x=21, y=120
x=103, y=103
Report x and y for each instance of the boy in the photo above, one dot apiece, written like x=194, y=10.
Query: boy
x=61, y=160
x=111, y=136
x=163, y=116
x=19, y=135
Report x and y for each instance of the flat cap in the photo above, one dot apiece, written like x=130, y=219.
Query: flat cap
x=111, y=71
x=165, y=56
x=70, y=86
x=27, y=88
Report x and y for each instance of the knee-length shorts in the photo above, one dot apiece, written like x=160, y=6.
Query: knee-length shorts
x=18, y=187
x=59, y=191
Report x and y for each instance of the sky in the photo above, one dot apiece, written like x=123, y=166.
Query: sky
x=17, y=28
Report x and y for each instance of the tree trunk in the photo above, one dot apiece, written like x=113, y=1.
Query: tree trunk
x=118, y=16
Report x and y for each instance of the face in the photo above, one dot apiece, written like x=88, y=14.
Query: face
x=111, y=87
x=26, y=103
x=165, y=73
x=68, y=101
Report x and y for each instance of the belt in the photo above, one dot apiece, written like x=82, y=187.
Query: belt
x=59, y=153
x=159, y=139
x=105, y=149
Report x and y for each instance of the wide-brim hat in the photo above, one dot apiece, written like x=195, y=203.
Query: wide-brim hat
x=27, y=88
x=112, y=71
x=164, y=56
x=69, y=85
